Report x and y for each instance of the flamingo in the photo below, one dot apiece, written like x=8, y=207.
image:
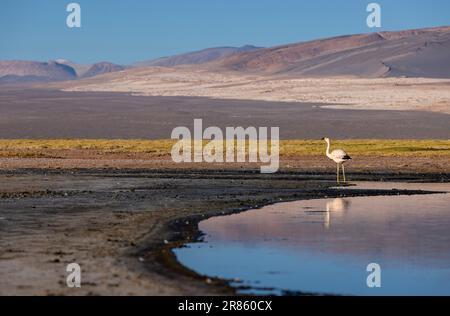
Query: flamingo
x=339, y=156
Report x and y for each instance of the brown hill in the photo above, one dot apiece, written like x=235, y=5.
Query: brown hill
x=412, y=53
x=80, y=69
x=197, y=57
x=102, y=68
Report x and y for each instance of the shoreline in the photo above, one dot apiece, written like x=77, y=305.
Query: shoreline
x=192, y=234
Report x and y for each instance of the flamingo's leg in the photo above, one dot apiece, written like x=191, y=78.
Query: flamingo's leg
x=343, y=172
x=337, y=173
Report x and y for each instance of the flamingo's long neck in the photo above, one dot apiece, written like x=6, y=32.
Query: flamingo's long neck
x=328, y=148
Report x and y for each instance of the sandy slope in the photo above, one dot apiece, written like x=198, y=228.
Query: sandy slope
x=412, y=53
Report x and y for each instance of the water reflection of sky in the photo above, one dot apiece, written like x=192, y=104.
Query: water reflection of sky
x=325, y=245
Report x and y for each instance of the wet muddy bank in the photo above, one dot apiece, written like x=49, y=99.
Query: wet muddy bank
x=186, y=231
x=276, y=249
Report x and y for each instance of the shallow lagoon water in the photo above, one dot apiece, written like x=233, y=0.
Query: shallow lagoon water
x=325, y=245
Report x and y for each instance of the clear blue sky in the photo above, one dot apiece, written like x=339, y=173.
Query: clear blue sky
x=125, y=31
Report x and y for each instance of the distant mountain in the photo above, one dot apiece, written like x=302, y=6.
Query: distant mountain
x=91, y=70
x=19, y=71
x=412, y=53
x=102, y=68
x=26, y=71
x=197, y=57
x=80, y=69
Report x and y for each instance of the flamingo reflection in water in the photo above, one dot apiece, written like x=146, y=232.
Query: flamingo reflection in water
x=337, y=206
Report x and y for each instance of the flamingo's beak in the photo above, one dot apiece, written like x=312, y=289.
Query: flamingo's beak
x=323, y=138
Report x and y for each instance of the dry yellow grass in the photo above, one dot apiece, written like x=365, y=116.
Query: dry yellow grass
x=288, y=148
x=104, y=145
